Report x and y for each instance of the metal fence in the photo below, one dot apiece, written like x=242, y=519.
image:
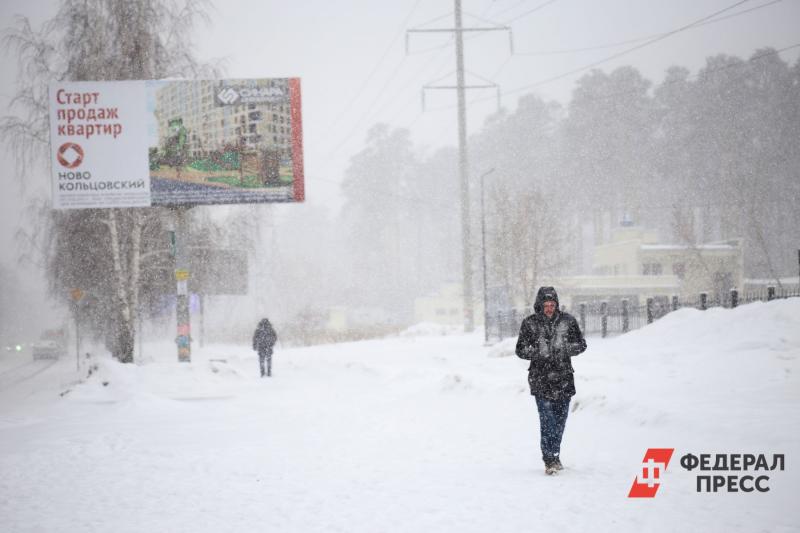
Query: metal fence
x=604, y=318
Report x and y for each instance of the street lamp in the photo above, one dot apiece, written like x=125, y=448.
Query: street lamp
x=483, y=257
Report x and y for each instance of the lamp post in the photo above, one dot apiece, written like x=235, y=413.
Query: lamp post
x=483, y=259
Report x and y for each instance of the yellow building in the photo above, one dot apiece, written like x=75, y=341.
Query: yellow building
x=446, y=306
x=632, y=266
x=713, y=268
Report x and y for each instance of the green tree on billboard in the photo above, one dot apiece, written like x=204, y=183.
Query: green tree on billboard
x=175, y=148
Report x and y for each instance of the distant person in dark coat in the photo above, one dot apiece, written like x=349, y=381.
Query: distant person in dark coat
x=263, y=341
x=548, y=339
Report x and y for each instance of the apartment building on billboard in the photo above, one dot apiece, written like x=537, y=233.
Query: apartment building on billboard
x=250, y=114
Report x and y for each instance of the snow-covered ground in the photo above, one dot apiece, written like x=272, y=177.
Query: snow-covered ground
x=416, y=433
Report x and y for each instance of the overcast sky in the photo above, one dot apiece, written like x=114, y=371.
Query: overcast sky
x=355, y=72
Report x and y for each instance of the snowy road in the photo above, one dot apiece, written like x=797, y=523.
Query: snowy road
x=23, y=372
x=426, y=433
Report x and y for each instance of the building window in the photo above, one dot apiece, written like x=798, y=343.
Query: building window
x=679, y=269
x=652, y=269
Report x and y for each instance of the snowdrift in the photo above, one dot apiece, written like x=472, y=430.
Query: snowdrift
x=422, y=432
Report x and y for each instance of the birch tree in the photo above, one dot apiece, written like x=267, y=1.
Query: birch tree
x=119, y=251
x=529, y=241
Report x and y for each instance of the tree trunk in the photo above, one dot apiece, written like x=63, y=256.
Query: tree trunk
x=122, y=343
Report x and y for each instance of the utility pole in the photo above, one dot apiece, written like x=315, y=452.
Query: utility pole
x=182, y=316
x=463, y=173
x=463, y=160
x=483, y=262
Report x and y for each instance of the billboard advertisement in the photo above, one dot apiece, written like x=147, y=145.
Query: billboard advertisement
x=176, y=142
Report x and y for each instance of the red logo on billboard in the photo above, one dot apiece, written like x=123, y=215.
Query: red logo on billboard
x=70, y=155
x=654, y=464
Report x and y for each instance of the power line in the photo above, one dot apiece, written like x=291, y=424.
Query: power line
x=375, y=69
x=622, y=43
x=751, y=60
x=445, y=204
x=369, y=108
x=481, y=18
x=437, y=72
x=534, y=10
x=437, y=19
x=668, y=83
x=626, y=51
x=613, y=56
x=401, y=109
x=381, y=93
x=510, y=8
x=638, y=39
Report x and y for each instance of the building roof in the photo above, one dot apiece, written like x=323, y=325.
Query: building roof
x=685, y=247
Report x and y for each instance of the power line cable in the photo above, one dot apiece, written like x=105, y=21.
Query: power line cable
x=369, y=108
x=613, y=56
x=534, y=10
x=638, y=39
x=510, y=8
x=436, y=19
x=697, y=75
x=629, y=41
x=446, y=205
x=438, y=71
x=439, y=48
x=478, y=35
x=628, y=50
x=375, y=69
x=480, y=18
x=401, y=109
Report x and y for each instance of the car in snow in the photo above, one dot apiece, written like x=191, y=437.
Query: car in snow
x=46, y=349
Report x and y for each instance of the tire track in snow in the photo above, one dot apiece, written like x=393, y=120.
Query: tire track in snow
x=22, y=373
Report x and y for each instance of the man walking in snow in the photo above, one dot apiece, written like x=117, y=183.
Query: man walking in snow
x=548, y=339
x=263, y=340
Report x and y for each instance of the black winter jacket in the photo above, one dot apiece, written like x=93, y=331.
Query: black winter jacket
x=549, y=344
x=264, y=338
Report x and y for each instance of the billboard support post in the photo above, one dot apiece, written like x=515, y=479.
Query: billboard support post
x=202, y=319
x=76, y=296
x=182, y=317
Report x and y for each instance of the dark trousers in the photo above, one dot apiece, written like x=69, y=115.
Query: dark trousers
x=265, y=357
x=552, y=419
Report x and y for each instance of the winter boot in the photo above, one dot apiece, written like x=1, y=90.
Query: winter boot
x=550, y=468
x=557, y=463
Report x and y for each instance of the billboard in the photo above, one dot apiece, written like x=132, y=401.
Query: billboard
x=176, y=142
